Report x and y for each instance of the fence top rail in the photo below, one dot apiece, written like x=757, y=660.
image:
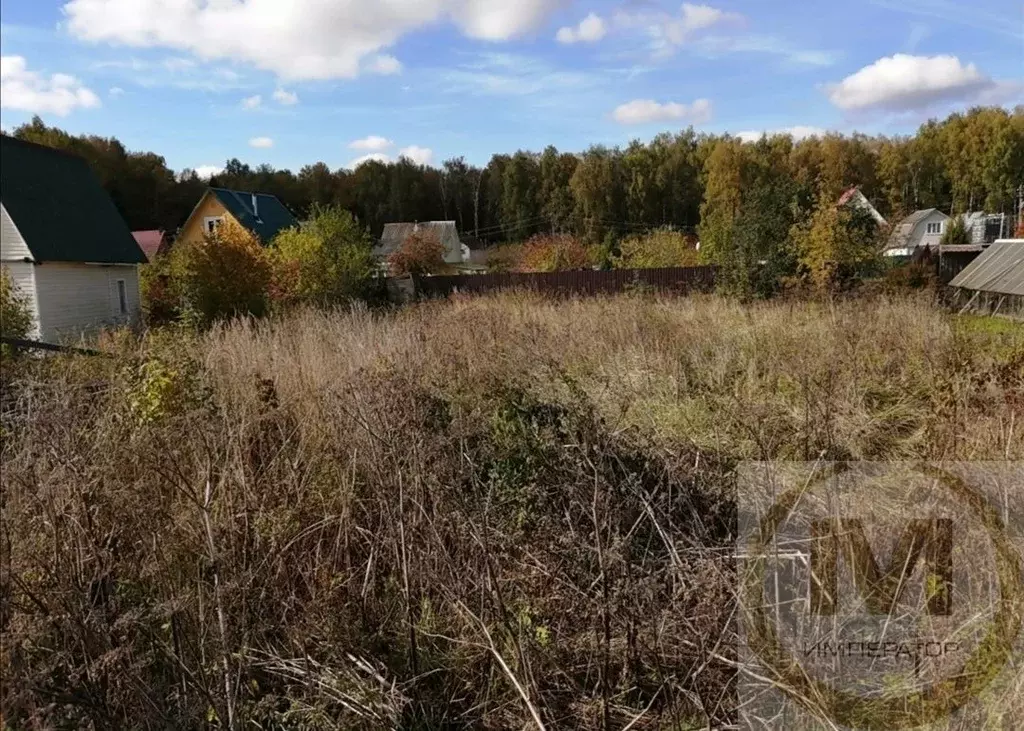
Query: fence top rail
x=20, y=344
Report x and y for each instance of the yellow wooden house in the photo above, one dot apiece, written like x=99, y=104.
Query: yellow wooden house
x=261, y=213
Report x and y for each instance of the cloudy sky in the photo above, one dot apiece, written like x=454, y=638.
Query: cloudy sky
x=294, y=82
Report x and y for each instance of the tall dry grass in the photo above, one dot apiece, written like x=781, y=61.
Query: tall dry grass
x=493, y=512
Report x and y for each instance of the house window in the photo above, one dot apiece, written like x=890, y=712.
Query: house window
x=210, y=223
x=935, y=228
x=122, y=296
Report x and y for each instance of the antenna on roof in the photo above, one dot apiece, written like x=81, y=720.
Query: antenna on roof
x=255, y=208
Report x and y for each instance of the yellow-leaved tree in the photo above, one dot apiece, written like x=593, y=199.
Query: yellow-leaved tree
x=837, y=245
x=660, y=248
x=225, y=274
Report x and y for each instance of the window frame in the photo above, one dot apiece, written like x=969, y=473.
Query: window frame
x=122, y=296
x=937, y=227
x=211, y=223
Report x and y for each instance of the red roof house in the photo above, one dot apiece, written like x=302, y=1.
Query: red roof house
x=151, y=242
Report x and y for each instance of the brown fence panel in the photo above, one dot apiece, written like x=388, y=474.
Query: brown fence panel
x=680, y=280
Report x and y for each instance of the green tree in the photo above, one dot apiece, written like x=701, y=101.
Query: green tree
x=520, y=205
x=556, y=201
x=956, y=233
x=597, y=190
x=328, y=260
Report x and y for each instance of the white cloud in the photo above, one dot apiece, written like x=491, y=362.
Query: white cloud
x=176, y=72
x=115, y=91
x=300, y=39
x=208, y=171
x=668, y=33
x=507, y=74
x=287, y=98
x=903, y=82
x=178, y=64
x=591, y=29
x=252, y=102
x=378, y=156
x=373, y=143
x=799, y=132
x=417, y=154
x=384, y=65
x=641, y=111
x=716, y=46
x=261, y=142
x=30, y=91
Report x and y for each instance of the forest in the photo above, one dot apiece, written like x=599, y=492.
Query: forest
x=968, y=161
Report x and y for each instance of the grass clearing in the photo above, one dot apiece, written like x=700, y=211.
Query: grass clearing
x=465, y=514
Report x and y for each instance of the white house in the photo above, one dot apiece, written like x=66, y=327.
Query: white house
x=63, y=243
x=920, y=230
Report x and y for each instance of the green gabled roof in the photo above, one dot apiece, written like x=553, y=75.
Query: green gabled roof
x=60, y=208
x=269, y=218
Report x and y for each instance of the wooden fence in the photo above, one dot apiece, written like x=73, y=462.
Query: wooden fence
x=678, y=280
x=19, y=344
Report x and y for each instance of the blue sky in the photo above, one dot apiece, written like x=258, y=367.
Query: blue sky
x=291, y=83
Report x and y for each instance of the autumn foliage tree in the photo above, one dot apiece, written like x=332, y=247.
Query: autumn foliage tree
x=420, y=253
x=554, y=253
x=837, y=245
x=660, y=248
x=227, y=273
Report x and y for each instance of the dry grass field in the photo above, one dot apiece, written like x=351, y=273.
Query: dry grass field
x=496, y=512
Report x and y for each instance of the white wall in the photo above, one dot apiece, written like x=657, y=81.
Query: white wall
x=13, y=253
x=920, y=237
x=79, y=299
x=12, y=245
x=22, y=276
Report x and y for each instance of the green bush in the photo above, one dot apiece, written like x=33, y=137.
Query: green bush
x=661, y=248
x=328, y=260
x=15, y=314
x=956, y=233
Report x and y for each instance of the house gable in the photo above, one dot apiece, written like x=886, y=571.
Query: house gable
x=209, y=207
x=59, y=209
x=12, y=244
x=268, y=219
x=922, y=228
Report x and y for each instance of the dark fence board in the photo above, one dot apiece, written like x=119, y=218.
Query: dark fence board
x=19, y=344
x=680, y=280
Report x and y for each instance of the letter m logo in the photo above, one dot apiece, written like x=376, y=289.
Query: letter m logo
x=931, y=540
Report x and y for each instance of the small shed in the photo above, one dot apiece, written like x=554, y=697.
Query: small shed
x=395, y=234
x=994, y=282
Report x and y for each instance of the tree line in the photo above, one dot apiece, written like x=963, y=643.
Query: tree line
x=969, y=161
